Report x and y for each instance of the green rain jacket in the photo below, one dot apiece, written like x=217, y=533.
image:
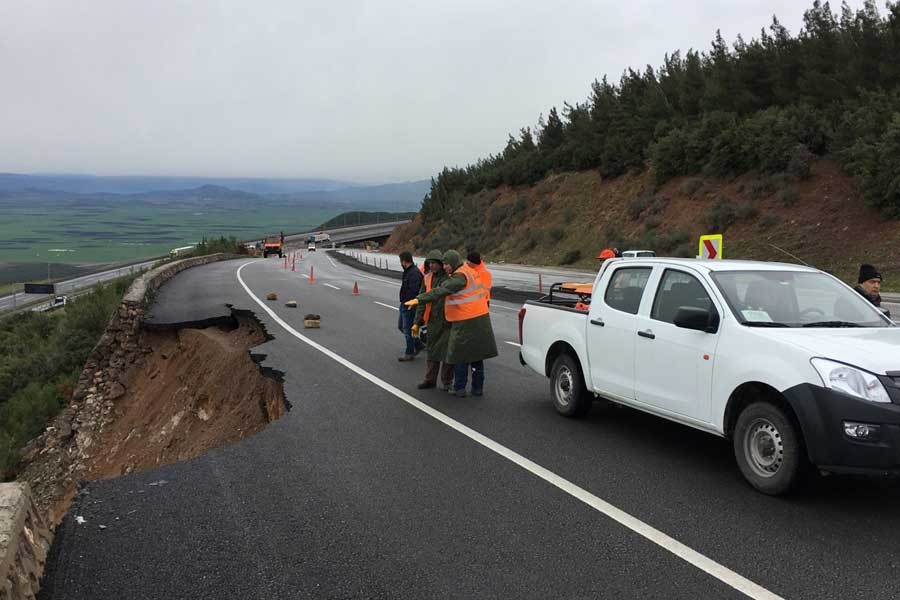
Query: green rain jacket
x=470, y=340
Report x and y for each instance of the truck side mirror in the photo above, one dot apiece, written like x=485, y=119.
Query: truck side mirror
x=699, y=319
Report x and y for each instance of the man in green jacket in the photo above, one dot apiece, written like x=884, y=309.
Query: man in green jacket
x=438, y=328
x=471, y=340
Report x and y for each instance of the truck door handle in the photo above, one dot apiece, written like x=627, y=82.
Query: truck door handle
x=598, y=322
x=647, y=334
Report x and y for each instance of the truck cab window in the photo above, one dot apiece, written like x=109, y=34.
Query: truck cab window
x=626, y=288
x=678, y=289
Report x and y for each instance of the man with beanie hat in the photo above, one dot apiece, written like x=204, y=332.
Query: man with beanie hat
x=869, y=284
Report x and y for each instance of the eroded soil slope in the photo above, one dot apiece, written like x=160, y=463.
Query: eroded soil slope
x=197, y=389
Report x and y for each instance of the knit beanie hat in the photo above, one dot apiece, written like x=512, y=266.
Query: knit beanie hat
x=867, y=272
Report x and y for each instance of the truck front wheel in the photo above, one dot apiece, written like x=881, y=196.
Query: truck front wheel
x=769, y=449
x=570, y=396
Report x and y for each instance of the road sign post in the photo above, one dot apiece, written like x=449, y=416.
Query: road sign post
x=711, y=247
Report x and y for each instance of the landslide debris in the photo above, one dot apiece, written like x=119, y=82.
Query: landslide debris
x=191, y=390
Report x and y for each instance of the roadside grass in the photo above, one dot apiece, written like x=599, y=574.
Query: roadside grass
x=9, y=288
x=41, y=356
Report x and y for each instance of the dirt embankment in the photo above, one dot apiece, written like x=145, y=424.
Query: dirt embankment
x=567, y=218
x=197, y=389
x=193, y=389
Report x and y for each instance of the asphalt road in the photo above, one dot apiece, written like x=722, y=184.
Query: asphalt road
x=371, y=488
x=70, y=286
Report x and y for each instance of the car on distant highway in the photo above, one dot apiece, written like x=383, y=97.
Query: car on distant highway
x=59, y=301
x=787, y=362
x=311, y=247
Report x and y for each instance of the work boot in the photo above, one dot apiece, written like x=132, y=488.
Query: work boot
x=406, y=358
x=477, y=392
x=459, y=393
x=426, y=385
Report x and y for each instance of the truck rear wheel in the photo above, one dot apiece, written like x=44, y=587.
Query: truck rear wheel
x=769, y=449
x=570, y=396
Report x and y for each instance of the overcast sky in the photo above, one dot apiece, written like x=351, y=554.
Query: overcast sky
x=352, y=90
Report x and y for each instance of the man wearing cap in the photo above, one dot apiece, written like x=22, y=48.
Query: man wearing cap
x=466, y=309
x=438, y=337
x=869, y=284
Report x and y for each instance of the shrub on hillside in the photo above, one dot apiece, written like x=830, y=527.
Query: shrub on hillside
x=651, y=223
x=556, y=233
x=691, y=186
x=720, y=215
x=572, y=256
x=498, y=213
x=229, y=245
x=786, y=196
x=637, y=205
x=746, y=211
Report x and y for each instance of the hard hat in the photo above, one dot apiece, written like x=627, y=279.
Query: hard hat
x=606, y=253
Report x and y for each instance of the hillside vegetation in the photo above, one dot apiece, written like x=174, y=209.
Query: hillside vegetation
x=731, y=140
x=41, y=356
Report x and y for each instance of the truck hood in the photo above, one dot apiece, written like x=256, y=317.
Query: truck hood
x=875, y=349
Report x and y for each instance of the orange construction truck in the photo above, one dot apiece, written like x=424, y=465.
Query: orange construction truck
x=274, y=245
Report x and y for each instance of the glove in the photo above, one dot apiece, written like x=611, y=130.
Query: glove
x=411, y=303
x=415, y=331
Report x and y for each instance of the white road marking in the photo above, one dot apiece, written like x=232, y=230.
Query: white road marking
x=377, y=279
x=686, y=553
x=304, y=275
x=333, y=264
x=505, y=308
x=334, y=287
x=387, y=305
x=513, y=344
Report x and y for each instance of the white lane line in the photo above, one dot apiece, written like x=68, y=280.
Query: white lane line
x=334, y=287
x=505, y=308
x=386, y=305
x=304, y=275
x=333, y=264
x=513, y=344
x=377, y=279
x=686, y=553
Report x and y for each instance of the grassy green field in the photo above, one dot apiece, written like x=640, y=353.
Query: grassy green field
x=61, y=229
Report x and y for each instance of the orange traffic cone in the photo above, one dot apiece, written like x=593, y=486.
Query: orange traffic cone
x=312, y=275
x=355, y=289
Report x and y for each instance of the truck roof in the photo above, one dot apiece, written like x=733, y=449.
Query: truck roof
x=719, y=265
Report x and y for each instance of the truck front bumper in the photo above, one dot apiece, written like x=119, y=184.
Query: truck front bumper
x=823, y=415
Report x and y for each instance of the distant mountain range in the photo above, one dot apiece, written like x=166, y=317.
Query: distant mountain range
x=324, y=193
x=130, y=184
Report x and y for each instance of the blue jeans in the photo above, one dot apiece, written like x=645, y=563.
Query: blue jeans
x=461, y=375
x=404, y=324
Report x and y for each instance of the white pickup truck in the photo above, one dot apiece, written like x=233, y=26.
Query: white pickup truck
x=788, y=362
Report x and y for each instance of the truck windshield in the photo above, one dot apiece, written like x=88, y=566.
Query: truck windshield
x=794, y=299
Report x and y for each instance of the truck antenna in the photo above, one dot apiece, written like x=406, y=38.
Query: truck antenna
x=799, y=260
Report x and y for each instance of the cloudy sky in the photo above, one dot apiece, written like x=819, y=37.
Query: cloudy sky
x=353, y=90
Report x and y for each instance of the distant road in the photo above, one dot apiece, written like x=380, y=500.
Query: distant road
x=70, y=286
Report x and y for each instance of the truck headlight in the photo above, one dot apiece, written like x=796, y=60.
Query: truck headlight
x=850, y=380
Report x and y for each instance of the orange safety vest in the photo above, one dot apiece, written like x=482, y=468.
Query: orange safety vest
x=428, y=279
x=486, y=279
x=469, y=302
